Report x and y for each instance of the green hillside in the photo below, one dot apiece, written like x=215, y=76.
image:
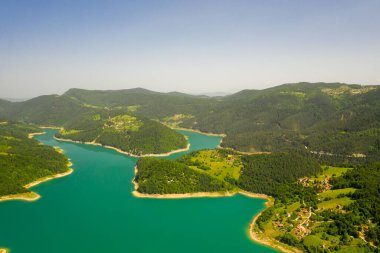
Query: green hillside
x=339, y=119
x=85, y=122
x=154, y=105
x=343, y=120
x=45, y=110
x=160, y=176
x=24, y=160
x=273, y=174
x=336, y=122
x=129, y=133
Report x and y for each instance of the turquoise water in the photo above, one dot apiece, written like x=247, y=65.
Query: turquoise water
x=93, y=210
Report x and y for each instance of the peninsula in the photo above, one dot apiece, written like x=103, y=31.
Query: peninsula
x=301, y=194
x=32, y=162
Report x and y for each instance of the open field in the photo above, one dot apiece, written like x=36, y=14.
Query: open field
x=329, y=172
x=336, y=193
x=217, y=165
x=335, y=203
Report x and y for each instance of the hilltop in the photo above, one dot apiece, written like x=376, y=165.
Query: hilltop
x=339, y=123
x=116, y=127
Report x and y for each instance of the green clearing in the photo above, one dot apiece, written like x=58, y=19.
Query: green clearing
x=217, y=164
x=293, y=207
x=313, y=241
x=335, y=193
x=68, y=132
x=177, y=119
x=334, y=203
x=124, y=122
x=329, y=172
x=352, y=249
x=97, y=117
x=4, y=148
x=133, y=108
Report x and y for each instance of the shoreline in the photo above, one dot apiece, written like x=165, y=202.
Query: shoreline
x=33, y=196
x=31, y=135
x=48, y=178
x=246, y=152
x=176, y=195
x=125, y=152
x=254, y=236
x=194, y=130
x=198, y=194
x=268, y=241
x=50, y=127
x=184, y=195
x=251, y=233
x=219, y=146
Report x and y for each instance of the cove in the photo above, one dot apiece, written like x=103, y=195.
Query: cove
x=93, y=210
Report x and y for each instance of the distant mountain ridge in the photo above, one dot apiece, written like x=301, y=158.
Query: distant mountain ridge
x=333, y=118
x=15, y=99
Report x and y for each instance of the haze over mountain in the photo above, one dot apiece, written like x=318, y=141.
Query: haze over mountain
x=186, y=46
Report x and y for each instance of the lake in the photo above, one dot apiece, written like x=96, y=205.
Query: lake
x=93, y=210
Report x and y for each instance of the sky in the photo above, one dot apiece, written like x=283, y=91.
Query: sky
x=193, y=46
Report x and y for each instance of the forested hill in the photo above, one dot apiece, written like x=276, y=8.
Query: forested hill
x=135, y=135
x=24, y=160
x=337, y=122
x=154, y=105
x=161, y=176
x=44, y=110
x=220, y=170
x=84, y=122
x=332, y=118
x=342, y=121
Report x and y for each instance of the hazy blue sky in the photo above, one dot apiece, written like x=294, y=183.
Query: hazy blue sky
x=191, y=46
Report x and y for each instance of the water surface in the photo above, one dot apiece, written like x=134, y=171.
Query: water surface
x=93, y=211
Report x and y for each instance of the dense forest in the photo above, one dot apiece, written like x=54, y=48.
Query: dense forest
x=132, y=134
x=280, y=171
x=161, y=176
x=84, y=122
x=333, y=119
x=24, y=160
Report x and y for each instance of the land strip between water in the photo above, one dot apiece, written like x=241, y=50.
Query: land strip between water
x=125, y=152
x=251, y=232
x=32, y=196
